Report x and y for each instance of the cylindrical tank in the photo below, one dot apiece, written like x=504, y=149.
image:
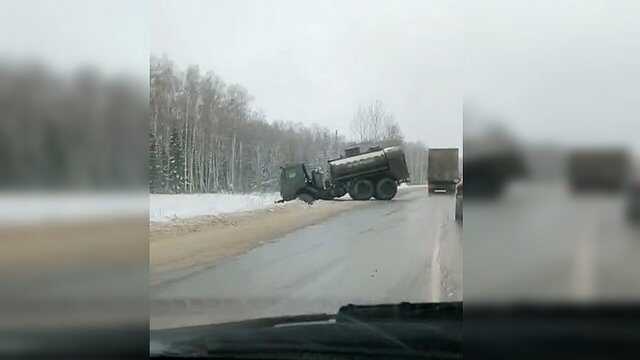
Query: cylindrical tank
x=367, y=163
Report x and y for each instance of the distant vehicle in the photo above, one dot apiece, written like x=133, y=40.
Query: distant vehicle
x=443, y=170
x=490, y=164
x=459, y=195
x=599, y=169
x=374, y=173
x=633, y=203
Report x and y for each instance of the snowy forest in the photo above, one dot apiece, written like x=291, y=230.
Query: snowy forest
x=77, y=129
x=206, y=137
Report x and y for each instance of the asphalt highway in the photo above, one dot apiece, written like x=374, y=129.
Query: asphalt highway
x=407, y=249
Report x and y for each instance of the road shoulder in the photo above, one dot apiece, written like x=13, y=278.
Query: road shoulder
x=181, y=248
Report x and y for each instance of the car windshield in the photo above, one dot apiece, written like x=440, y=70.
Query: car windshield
x=290, y=179
x=225, y=246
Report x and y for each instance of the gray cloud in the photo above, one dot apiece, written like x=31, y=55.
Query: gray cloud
x=110, y=35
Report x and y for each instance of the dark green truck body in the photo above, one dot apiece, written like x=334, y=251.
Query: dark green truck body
x=375, y=173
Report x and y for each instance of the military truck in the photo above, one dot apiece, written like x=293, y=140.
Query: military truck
x=443, y=170
x=603, y=169
x=374, y=173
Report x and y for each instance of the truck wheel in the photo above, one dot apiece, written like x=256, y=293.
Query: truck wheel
x=339, y=191
x=386, y=189
x=361, y=190
x=308, y=198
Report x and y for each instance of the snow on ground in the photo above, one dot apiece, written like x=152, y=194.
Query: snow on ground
x=163, y=207
x=405, y=185
x=43, y=207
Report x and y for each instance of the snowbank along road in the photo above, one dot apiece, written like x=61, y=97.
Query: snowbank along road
x=173, y=207
x=407, y=249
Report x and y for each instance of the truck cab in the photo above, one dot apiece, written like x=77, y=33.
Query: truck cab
x=293, y=179
x=297, y=182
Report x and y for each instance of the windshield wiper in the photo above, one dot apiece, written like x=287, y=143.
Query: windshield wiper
x=374, y=331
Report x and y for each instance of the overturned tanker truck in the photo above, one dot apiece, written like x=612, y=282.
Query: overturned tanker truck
x=375, y=173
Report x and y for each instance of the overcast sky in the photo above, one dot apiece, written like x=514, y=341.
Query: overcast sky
x=112, y=36
x=565, y=71
x=562, y=71
x=316, y=61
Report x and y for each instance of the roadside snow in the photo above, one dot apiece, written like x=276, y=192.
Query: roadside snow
x=171, y=207
x=22, y=208
x=405, y=185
